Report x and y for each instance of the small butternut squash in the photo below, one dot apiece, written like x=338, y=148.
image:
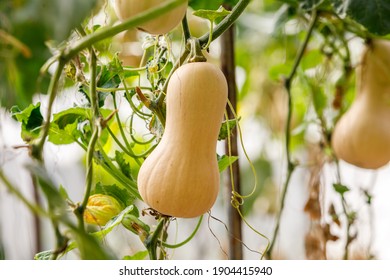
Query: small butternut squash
x=126, y=9
x=362, y=135
x=180, y=177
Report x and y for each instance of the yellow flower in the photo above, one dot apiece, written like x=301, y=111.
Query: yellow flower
x=100, y=209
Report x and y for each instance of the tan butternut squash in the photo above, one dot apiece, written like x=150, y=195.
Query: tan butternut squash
x=180, y=177
x=126, y=9
x=362, y=135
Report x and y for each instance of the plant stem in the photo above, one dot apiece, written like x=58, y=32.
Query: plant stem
x=37, y=150
x=196, y=54
x=37, y=219
x=188, y=239
x=11, y=188
x=225, y=23
x=94, y=138
x=152, y=241
x=290, y=164
x=186, y=29
x=128, y=148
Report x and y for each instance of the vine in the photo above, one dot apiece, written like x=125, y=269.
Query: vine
x=114, y=148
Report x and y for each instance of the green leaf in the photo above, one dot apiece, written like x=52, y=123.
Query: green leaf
x=31, y=119
x=69, y=116
x=205, y=4
x=67, y=135
x=111, y=224
x=211, y=14
x=141, y=255
x=64, y=126
x=225, y=161
x=123, y=196
x=108, y=78
x=123, y=164
x=44, y=255
x=226, y=127
x=64, y=193
x=374, y=15
x=341, y=189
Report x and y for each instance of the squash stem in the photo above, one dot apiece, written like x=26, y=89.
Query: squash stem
x=196, y=54
x=151, y=242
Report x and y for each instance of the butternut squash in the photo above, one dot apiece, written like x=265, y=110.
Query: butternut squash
x=180, y=177
x=362, y=135
x=126, y=9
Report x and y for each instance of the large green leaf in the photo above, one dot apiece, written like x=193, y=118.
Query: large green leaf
x=63, y=128
x=374, y=15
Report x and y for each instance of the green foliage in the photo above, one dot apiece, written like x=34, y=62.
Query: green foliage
x=212, y=15
x=225, y=161
x=374, y=15
x=31, y=120
x=123, y=164
x=141, y=255
x=341, y=189
x=64, y=126
x=226, y=127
